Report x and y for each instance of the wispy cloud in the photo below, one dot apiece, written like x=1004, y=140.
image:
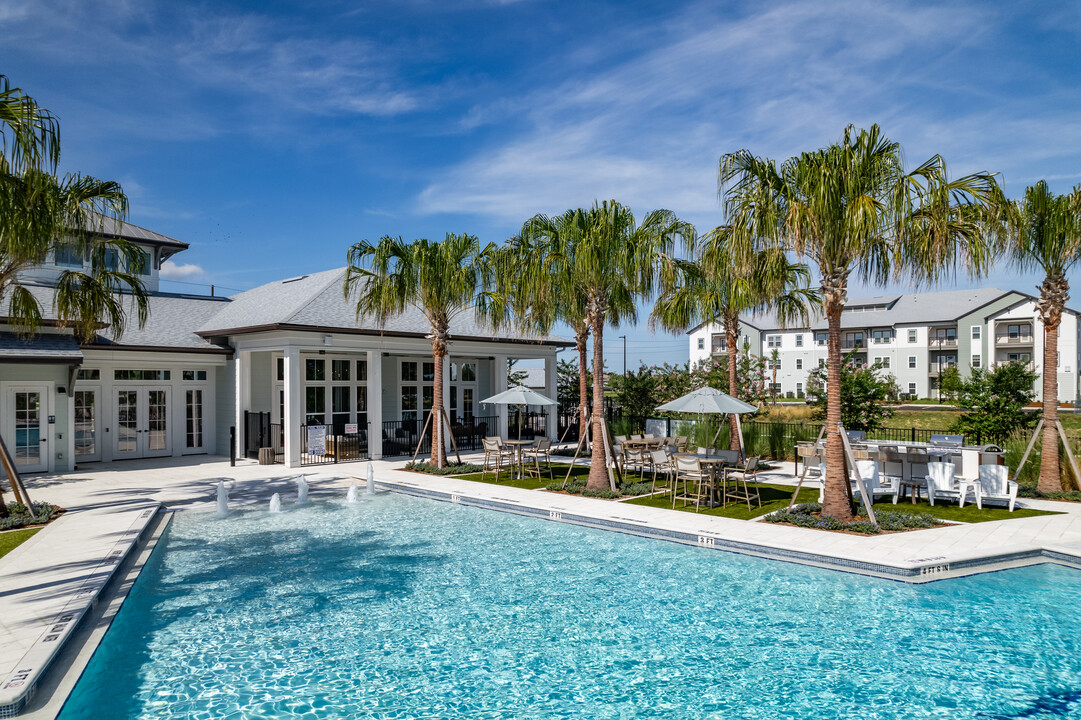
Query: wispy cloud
x=648, y=128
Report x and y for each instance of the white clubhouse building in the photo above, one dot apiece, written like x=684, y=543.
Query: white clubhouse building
x=269, y=362
x=913, y=336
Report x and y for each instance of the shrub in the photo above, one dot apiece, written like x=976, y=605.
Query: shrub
x=993, y=401
x=451, y=468
x=864, y=395
x=891, y=520
x=19, y=517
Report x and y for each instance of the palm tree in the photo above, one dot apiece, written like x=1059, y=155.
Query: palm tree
x=40, y=213
x=612, y=263
x=544, y=297
x=852, y=207
x=441, y=279
x=728, y=280
x=1044, y=233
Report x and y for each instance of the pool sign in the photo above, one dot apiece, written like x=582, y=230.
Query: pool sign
x=317, y=439
x=350, y=428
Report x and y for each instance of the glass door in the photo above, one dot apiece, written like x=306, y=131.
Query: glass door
x=28, y=428
x=142, y=422
x=86, y=426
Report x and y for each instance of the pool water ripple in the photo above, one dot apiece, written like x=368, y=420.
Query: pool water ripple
x=400, y=607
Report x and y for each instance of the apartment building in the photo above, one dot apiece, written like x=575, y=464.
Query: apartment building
x=913, y=336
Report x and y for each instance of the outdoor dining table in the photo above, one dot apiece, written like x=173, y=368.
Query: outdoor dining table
x=518, y=446
x=715, y=466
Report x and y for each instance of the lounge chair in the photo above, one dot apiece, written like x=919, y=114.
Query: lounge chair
x=995, y=484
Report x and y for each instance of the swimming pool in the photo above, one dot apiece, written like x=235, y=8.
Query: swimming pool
x=402, y=607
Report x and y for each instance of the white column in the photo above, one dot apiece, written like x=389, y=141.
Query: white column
x=551, y=390
x=375, y=404
x=293, y=407
x=242, y=368
x=499, y=384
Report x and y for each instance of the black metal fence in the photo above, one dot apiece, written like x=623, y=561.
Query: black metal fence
x=527, y=425
x=337, y=447
x=257, y=433
x=400, y=437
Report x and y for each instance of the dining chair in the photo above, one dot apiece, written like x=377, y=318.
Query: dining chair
x=494, y=457
x=542, y=450
x=688, y=472
x=749, y=475
x=662, y=465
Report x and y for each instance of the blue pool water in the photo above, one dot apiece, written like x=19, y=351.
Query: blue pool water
x=399, y=607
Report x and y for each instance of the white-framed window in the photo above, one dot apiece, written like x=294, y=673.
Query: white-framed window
x=912, y=389
x=976, y=332
x=977, y=361
x=911, y=361
x=821, y=362
x=799, y=363
x=701, y=343
x=799, y=389
x=821, y=338
x=883, y=362
x=193, y=375
x=773, y=341
x=68, y=255
x=911, y=336
x=799, y=340
x=881, y=337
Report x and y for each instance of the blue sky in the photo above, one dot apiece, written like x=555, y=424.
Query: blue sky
x=272, y=135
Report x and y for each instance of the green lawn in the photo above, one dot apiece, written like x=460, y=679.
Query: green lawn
x=774, y=497
x=507, y=478
x=969, y=513
x=14, y=538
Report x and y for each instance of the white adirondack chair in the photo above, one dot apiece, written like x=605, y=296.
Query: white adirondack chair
x=940, y=482
x=875, y=484
x=996, y=484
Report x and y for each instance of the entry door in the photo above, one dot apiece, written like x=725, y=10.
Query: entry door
x=26, y=427
x=142, y=422
x=87, y=425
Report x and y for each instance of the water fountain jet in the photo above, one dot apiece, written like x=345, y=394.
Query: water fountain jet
x=223, y=499
x=275, y=503
x=370, y=489
x=302, y=491
x=351, y=496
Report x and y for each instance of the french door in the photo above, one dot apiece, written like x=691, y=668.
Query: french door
x=26, y=427
x=142, y=422
x=87, y=425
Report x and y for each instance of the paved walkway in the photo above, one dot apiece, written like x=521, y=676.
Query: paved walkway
x=109, y=504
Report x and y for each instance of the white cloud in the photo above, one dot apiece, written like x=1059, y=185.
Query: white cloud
x=648, y=128
x=179, y=271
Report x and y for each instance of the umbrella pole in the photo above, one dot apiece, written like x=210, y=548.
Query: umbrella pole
x=739, y=435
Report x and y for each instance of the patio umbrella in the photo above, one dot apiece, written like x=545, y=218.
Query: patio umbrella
x=518, y=395
x=710, y=401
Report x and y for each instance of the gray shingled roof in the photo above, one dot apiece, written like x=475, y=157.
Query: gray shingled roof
x=316, y=301
x=43, y=347
x=172, y=323
x=911, y=308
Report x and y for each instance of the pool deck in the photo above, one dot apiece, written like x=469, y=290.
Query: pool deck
x=49, y=583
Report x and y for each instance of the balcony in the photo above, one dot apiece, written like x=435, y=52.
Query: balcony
x=853, y=344
x=938, y=343
x=1013, y=340
x=935, y=369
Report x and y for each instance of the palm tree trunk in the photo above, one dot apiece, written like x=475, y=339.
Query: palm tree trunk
x=834, y=497
x=439, y=352
x=731, y=336
x=1050, y=480
x=583, y=385
x=598, y=469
